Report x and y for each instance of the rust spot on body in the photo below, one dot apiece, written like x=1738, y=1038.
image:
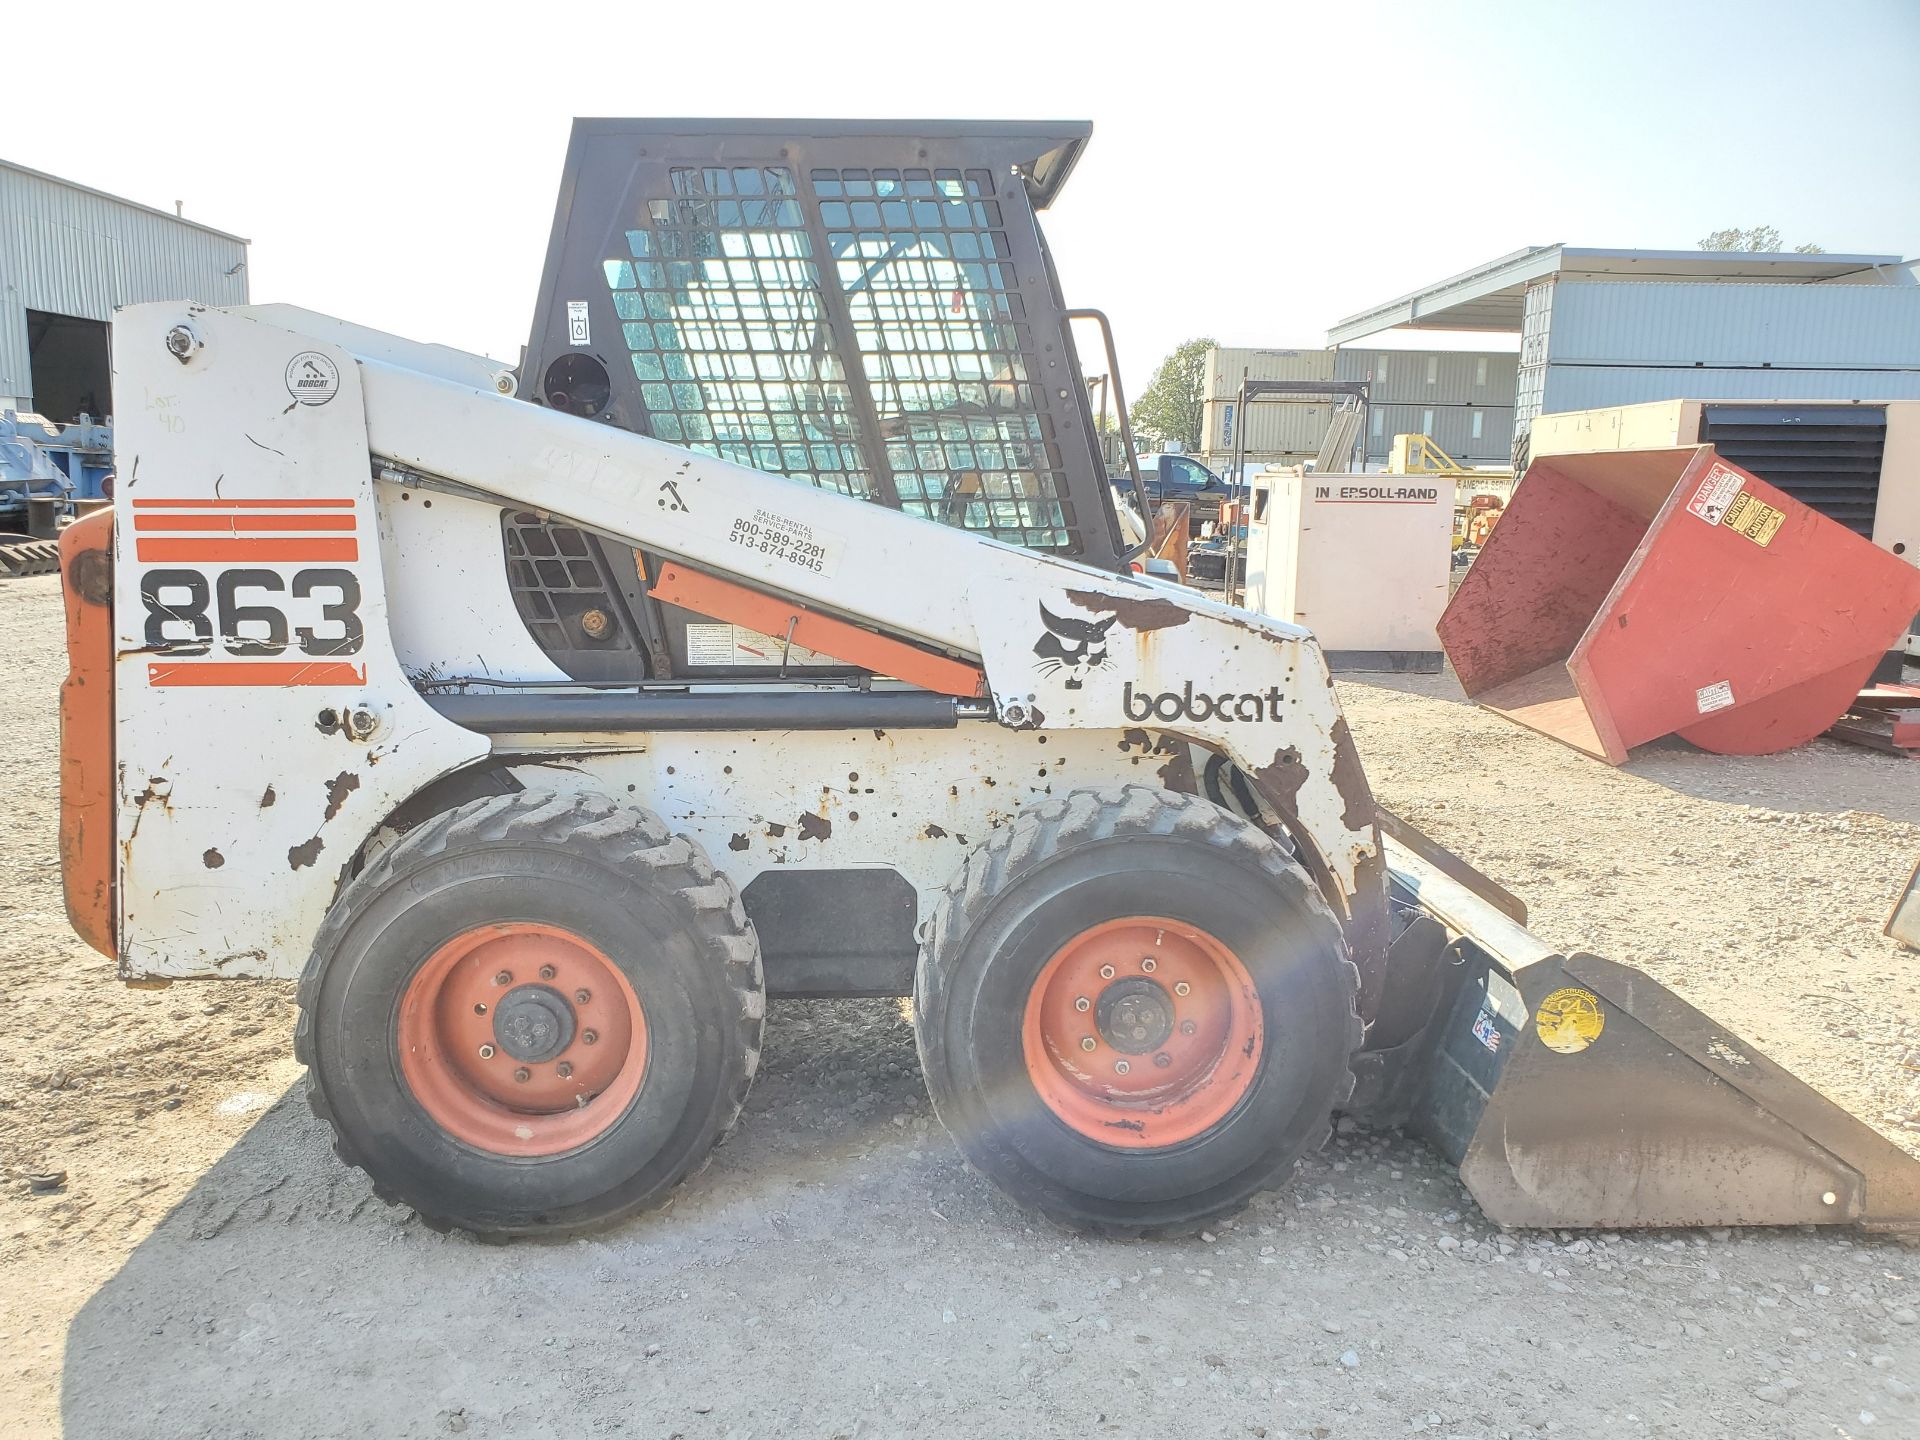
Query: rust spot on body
x=213, y=859
x=934, y=832
x=775, y=830
x=305, y=854
x=267, y=798
x=1149, y=612
x=1350, y=779
x=1284, y=776
x=738, y=842
x=338, y=788
x=815, y=827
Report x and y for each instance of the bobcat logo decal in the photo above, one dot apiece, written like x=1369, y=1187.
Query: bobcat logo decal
x=1076, y=646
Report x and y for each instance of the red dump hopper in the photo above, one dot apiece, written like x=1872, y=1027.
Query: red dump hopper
x=1631, y=594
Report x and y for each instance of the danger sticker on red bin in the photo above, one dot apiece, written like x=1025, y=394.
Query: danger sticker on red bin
x=1716, y=492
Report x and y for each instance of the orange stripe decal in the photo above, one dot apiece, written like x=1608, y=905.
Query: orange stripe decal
x=282, y=504
x=213, y=550
x=241, y=524
x=256, y=672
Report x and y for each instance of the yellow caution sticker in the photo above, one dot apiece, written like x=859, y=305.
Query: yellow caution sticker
x=1754, y=518
x=1569, y=1020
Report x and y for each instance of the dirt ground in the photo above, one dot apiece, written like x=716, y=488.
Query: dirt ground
x=208, y=1269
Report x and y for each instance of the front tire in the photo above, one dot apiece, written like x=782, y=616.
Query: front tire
x=532, y=1015
x=1135, y=1011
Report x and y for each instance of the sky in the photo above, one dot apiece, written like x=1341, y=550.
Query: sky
x=1257, y=172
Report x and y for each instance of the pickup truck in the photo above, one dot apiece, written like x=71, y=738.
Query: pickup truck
x=1177, y=477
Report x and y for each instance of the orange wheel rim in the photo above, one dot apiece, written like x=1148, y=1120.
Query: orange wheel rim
x=522, y=1039
x=1142, y=1032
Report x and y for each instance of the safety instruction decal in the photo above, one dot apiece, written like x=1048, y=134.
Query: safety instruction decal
x=1486, y=1031
x=578, y=332
x=1569, y=1020
x=1754, y=518
x=738, y=645
x=1715, y=493
x=1717, y=696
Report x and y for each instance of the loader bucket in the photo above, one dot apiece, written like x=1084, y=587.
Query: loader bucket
x=1575, y=1093
x=1632, y=594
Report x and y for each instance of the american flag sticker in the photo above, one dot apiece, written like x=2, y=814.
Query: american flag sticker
x=1486, y=1031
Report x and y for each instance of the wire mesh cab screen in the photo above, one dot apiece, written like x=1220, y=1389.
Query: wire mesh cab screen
x=860, y=306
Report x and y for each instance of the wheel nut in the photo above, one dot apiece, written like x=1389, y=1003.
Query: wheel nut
x=523, y=1075
x=1088, y=1043
x=546, y=972
x=1149, y=964
x=505, y=977
x=564, y=1070
x=1106, y=972
x=587, y=1037
x=481, y=1008
x=486, y=1052
x=1163, y=1059
x=1083, y=1003
x=1181, y=987
x=581, y=997
x=1187, y=1027
x=1121, y=1067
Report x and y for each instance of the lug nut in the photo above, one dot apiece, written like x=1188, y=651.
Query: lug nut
x=481, y=1008
x=523, y=1075
x=581, y=997
x=1106, y=972
x=1121, y=1067
x=1088, y=1043
x=546, y=972
x=1083, y=1003
x=1163, y=1059
x=596, y=623
x=1187, y=1027
x=1181, y=987
x=505, y=977
x=486, y=1052
x=1149, y=964
x=564, y=1070
x=587, y=1037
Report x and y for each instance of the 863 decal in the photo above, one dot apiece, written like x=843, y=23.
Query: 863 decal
x=219, y=623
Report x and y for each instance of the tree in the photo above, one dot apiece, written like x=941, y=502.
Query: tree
x=1169, y=408
x=1759, y=238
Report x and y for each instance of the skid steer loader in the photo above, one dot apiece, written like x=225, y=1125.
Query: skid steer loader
x=769, y=633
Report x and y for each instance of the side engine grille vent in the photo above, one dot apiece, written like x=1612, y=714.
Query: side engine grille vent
x=1826, y=457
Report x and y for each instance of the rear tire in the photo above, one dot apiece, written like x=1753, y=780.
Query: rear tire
x=597, y=1074
x=1061, y=929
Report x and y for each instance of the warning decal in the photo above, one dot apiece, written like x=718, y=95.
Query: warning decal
x=1715, y=494
x=578, y=330
x=737, y=645
x=1717, y=696
x=1569, y=1020
x=1753, y=518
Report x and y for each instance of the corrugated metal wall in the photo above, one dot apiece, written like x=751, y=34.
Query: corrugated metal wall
x=77, y=252
x=1588, y=387
x=1852, y=327
x=1431, y=377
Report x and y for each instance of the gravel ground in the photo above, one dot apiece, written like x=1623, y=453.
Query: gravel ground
x=209, y=1270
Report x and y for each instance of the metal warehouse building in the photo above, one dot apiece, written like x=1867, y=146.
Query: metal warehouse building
x=1463, y=400
x=1616, y=327
x=68, y=256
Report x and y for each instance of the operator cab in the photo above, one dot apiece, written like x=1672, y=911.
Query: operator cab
x=861, y=306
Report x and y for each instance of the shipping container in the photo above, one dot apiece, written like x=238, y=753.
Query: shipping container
x=1438, y=377
x=1471, y=434
x=1227, y=367
x=1271, y=427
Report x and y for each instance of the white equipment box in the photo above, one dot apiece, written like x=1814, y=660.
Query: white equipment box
x=1364, y=561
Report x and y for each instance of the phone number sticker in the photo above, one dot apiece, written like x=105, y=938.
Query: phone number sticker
x=789, y=541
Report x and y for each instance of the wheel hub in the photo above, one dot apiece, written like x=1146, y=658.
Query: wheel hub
x=533, y=1023
x=1134, y=1015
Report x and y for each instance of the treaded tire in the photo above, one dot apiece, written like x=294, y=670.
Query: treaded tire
x=614, y=875
x=1083, y=859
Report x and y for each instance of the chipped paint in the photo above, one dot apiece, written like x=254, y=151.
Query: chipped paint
x=213, y=859
x=304, y=854
x=1350, y=779
x=1148, y=612
x=815, y=827
x=338, y=788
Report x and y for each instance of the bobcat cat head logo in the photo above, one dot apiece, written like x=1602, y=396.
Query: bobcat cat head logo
x=1076, y=646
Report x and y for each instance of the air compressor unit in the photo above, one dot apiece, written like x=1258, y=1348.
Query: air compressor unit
x=1364, y=560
